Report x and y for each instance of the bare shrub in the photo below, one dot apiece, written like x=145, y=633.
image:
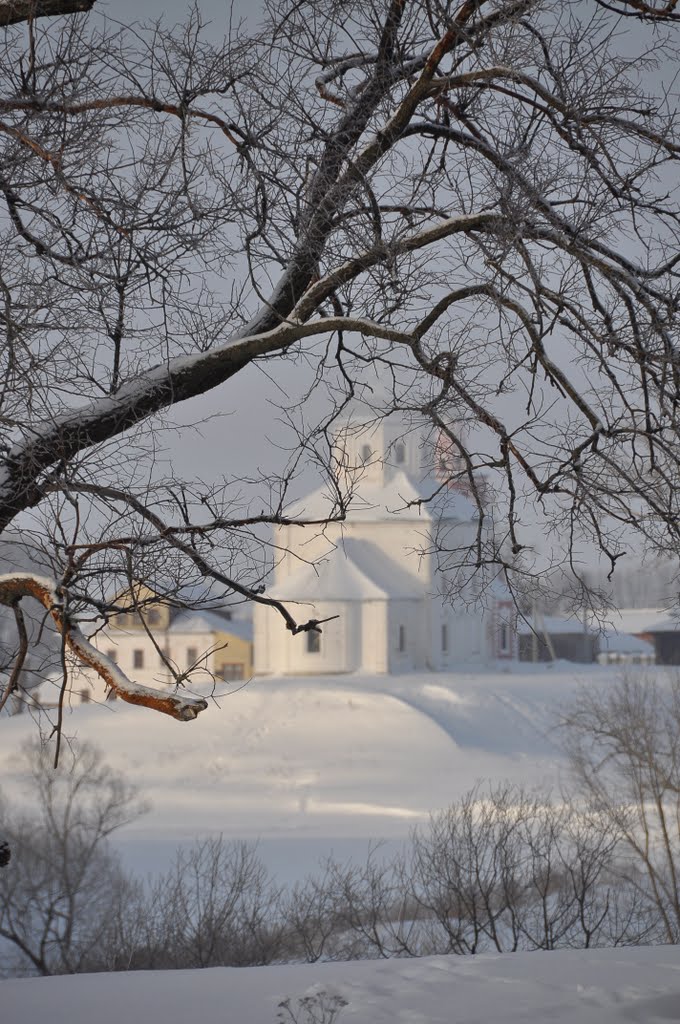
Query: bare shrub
x=65, y=893
x=217, y=906
x=623, y=745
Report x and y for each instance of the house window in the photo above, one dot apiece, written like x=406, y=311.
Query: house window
x=153, y=617
x=192, y=656
x=233, y=672
x=84, y=696
x=313, y=642
x=445, y=638
x=138, y=658
x=402, y=639
x=400, y=454
x=112, y=654
x=366, y=452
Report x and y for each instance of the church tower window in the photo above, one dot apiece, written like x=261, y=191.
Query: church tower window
x=402, y=639
x=313, y=642
x=400, y=454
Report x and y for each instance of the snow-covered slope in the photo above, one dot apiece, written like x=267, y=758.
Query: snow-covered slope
x=568, y=987
x=335, y=758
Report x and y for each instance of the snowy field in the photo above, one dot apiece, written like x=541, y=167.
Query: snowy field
x=569, y=987
x=311, y=766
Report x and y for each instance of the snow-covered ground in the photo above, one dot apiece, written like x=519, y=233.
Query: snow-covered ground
x=309, y=764
x=314, y=765
x=569, y=987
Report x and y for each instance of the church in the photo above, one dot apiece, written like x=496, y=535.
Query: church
x=373, y=574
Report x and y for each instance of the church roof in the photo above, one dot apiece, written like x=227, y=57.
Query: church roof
x=378, y=501
x=381, y=570
x=355, y=571
x=337, y=578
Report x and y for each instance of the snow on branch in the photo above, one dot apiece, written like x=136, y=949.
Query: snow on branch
x=15, y=586
x=14, y=11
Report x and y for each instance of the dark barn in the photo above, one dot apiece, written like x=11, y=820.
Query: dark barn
x=557, y=639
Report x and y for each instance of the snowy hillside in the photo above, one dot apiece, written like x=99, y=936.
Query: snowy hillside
x=305, y=763
x=314, y=765
x=568, y=987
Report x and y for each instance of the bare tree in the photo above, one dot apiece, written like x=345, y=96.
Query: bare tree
x=624, y=750
x=217, y=906
x=64, y=890
x=423, y=205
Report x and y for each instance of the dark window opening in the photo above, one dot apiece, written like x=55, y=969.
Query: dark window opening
x=192, y=656
x=445, y=638
x=313, y=642
x=402, y=639
x=112, y=654
x=138, y=659
x=400, y=454
x=366, y=452
x=233, y=672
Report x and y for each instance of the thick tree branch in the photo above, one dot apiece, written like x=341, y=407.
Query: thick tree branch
x=16, y=586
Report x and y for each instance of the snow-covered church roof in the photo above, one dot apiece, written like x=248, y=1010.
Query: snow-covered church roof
x=355, y=571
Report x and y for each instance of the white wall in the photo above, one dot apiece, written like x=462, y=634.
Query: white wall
x=411, y=615
x=374, y=637
x=340, y=648
x=154, y=672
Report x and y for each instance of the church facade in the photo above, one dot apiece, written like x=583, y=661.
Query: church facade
x=373, y=576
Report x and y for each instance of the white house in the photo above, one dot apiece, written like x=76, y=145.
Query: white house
x=370, y=571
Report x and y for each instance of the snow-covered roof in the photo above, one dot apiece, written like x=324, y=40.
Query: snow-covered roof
x=376, y=501
x=625, y=643
x=203, y=621
x=554, y=625
x=637, y=620
x=384, y=572
x=667, y=624
x=338, y=578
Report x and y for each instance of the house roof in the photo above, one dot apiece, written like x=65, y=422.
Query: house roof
x=636, y=620
x=625, y=643
x=201, y=621
x=553, y=625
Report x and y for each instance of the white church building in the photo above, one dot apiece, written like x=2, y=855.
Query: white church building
x=371, y=577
